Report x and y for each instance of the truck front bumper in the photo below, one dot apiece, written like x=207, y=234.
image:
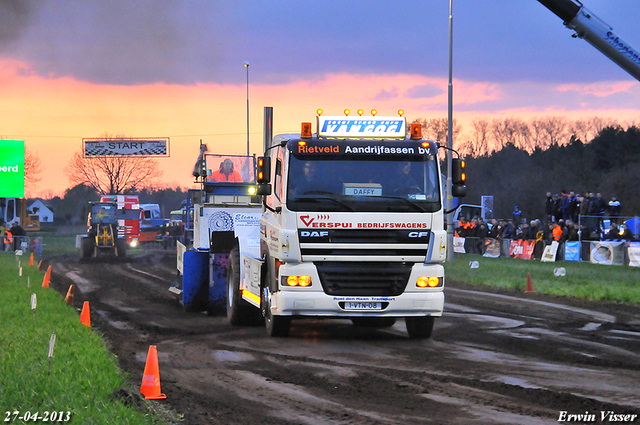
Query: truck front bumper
x=313, y=301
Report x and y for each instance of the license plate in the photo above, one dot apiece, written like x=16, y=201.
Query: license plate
x=363, y=306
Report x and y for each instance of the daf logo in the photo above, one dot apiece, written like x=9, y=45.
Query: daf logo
x=314, y=234
x=418, y=234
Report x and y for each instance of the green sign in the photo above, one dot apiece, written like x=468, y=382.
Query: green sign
x=12, y=168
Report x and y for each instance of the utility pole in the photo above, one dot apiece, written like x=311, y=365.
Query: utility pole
x=246, y=65
x=450, y=256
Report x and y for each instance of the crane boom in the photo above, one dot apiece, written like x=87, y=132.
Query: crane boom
x=597, y=32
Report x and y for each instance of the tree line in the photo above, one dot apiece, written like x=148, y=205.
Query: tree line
x=489, y=136
x=609, y=164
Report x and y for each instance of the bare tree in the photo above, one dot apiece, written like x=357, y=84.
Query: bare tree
x=536, y=126
x=113, y=174
x=478, y=143
x=555, y=131
x=437, y=129
x=507, y=131
x=32, y=169
x=581, y=130
x=522, y=136
x=598, y=124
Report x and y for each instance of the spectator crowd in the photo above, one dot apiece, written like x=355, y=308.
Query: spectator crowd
x=568, y=217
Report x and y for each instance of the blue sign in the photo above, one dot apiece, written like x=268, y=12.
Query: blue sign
x=358, y=127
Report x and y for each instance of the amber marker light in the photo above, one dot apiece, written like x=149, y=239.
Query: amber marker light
x=302, y=143
x=302, y=281
x=428, y=282
x=252, y=190
x=401, y=112
x=319, y=112
x=360, y=112
x=347, y=112
x=416, y=131
x=374, y=112
x=305, y=131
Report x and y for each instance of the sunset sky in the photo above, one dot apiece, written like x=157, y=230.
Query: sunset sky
x=159, y=68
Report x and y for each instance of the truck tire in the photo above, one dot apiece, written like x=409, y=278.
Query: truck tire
x=277, y=326
x=239, y=312
x=373, y=322
x=87, y=247
x=419, y=327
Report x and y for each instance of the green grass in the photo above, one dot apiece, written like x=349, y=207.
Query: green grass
x=82, y=373
x=582, y=280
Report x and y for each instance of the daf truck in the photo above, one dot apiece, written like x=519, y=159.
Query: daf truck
x=352, y=226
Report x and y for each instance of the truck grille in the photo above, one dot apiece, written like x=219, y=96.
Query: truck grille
x=386, y=245
x=363, y=279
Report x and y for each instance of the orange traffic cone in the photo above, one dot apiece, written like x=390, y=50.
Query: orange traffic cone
x=47, y=278
x=529, y=283
x=70, y=295
x=31, y=260
x=150, y=387
x=85, y=315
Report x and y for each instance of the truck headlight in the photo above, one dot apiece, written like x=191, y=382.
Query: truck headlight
x=302, y=281
x=428, y=282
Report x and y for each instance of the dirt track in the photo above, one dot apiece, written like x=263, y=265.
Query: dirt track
x=492, y=359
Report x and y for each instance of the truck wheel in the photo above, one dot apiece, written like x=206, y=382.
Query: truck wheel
x=419, y=327
x=373, y=322
x=239, y=312
x=276, y=325
x=87, y=247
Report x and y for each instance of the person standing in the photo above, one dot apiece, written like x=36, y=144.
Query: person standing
x=614, y=209
x=517, y=216
x=600, y=208
x=548, y=207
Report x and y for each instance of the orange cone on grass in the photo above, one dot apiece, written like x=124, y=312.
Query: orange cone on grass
x=70, y=295
x=47, y=278
x=85, y=315
x=529, y=283
x=31, y=260
x=150, y=387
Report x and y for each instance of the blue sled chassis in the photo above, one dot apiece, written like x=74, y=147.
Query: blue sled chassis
x=226, y=218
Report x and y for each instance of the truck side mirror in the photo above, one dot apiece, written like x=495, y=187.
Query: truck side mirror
x=459, y=190
x=263, y=189
x=263, y=171
x=263, y=176
x=458, y=177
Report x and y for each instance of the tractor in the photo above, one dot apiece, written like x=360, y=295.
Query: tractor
x=102, y=231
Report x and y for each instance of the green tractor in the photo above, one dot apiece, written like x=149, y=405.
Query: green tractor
x=102, y=232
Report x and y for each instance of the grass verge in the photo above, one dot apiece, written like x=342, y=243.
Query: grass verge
x=582, y=280
x=81, y=375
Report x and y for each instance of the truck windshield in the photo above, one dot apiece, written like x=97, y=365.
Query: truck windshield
x=103, y=214
x=363, y=183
